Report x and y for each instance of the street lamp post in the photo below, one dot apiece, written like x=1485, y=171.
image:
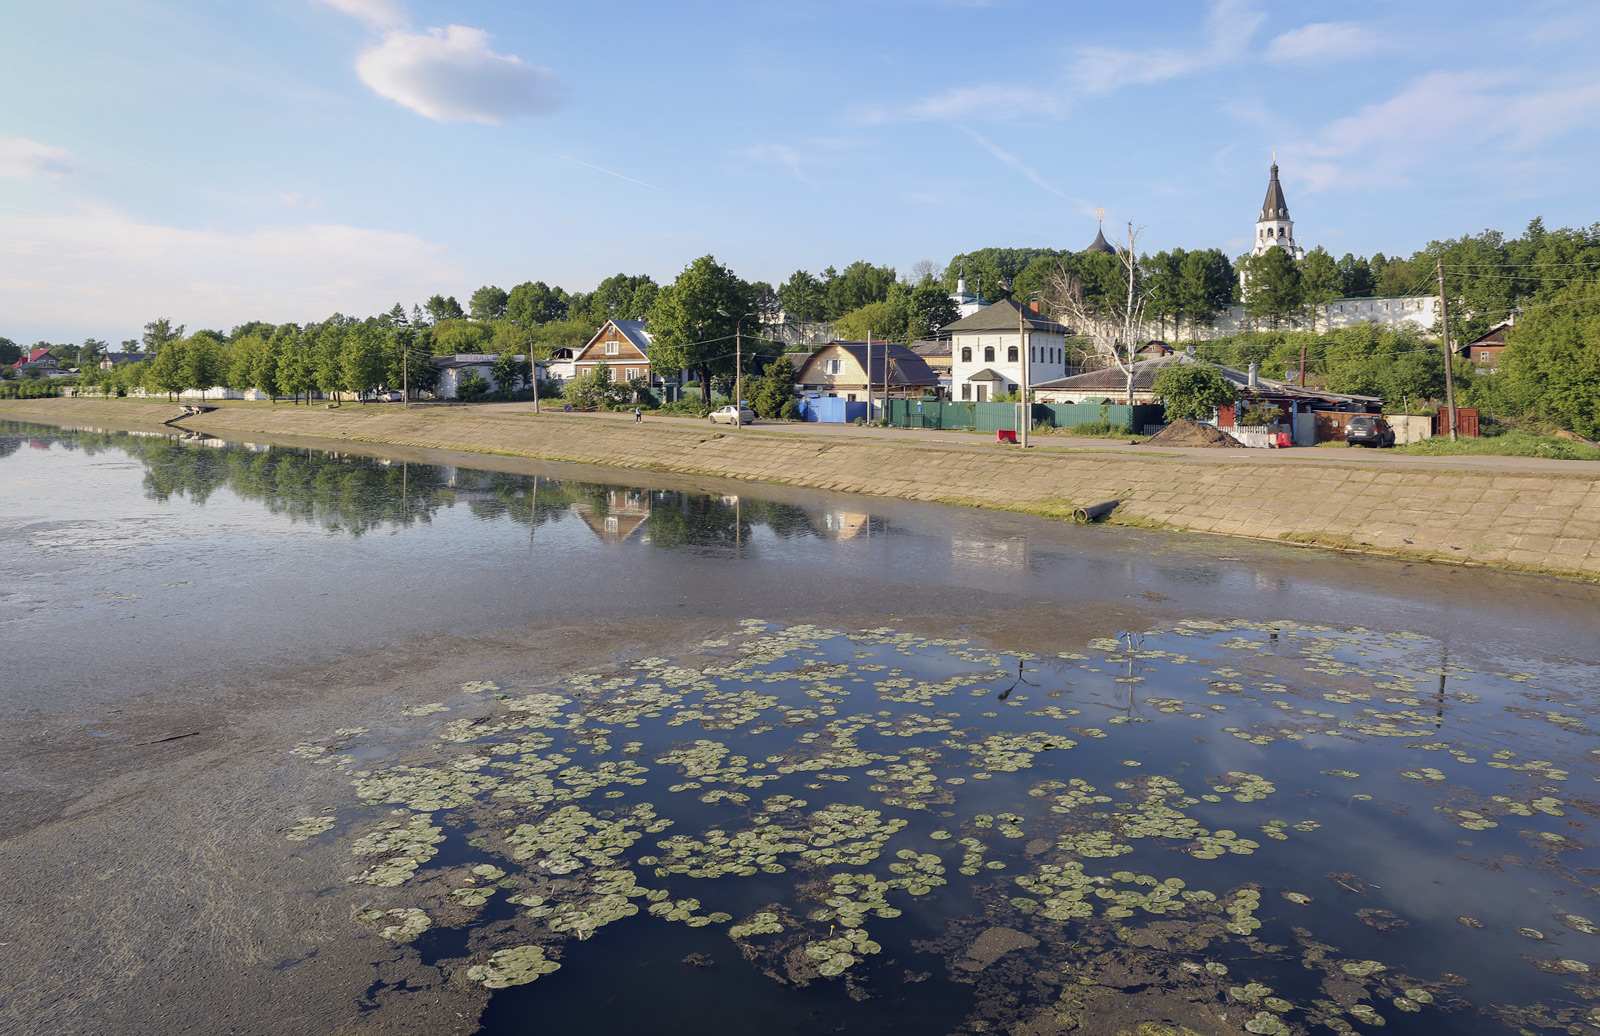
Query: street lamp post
x=738, y=368
x=1022, y=341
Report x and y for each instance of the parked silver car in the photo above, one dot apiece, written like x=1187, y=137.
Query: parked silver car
x=731, y=415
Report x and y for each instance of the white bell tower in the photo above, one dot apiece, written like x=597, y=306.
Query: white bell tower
x=1275, y=229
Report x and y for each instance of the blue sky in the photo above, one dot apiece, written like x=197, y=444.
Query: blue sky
x=286, y=159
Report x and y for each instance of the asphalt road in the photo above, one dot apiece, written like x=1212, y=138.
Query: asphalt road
x=1295, y=455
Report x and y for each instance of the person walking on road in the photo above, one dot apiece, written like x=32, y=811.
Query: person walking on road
x=638, y=415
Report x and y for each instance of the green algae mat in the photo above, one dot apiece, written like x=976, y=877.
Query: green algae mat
x=1218, y=827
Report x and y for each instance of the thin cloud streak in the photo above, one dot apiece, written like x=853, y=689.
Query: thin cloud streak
x=608, y=172
x=1014, y=162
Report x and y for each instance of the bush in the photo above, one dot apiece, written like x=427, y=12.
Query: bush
x=1257, y=415
x=472, y=387
x=694, y=406
x=791, y=411
x=1100, y=429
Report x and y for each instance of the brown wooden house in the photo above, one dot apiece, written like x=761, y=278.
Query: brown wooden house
x=1484, y=351
x=622, y=345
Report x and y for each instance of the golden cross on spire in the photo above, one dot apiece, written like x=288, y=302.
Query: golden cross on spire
x=1274, y=156
x=1100, y=214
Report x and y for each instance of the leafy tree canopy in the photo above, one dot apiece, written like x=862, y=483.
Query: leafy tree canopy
x=1192, y=391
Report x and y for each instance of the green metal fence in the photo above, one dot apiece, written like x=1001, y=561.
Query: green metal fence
x=998, y=417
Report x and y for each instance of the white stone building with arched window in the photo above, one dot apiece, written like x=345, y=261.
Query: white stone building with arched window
x=986, y=351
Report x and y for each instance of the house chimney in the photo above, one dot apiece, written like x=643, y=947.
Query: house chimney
x=1254, y=381
x=1034, y=306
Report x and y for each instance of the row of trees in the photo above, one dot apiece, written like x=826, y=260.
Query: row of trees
x=341, y=354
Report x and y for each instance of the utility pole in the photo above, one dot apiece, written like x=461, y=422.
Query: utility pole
x=1449, y=375
x=1022, y=398
x=1302, y=365
x=869, y=376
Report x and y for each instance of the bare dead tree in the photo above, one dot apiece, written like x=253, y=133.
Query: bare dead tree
x=1113, y=329
x=925, y=271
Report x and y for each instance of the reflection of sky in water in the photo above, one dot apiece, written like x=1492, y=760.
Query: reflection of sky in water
x=1388, y=872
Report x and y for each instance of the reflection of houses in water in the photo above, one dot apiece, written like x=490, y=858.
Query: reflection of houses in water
x=616, y=514
x=1011, y=555
x=467, y=484
x=844, y=525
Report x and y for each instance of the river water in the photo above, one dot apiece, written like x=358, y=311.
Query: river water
x=1185, y=779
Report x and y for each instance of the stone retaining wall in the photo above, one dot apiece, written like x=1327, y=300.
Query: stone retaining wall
x=1527, y=520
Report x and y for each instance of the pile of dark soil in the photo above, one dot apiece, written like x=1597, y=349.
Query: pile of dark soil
x=1187, y=433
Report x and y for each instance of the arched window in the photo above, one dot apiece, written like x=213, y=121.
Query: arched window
x=988, y=354
x=1011, y=354
x=966, y=354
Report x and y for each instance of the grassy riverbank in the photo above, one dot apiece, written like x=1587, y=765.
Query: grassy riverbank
x=1521, y=517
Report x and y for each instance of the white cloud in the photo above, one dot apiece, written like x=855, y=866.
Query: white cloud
x=789, y=157
x=1324, y=41
x=21, y=157
x=96, y=267
x=1225, y=39
x=1443, y=116
x=382, y=14
x=987, y=99
x=450, y=74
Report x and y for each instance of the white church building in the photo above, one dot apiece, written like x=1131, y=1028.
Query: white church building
x=1275, y=229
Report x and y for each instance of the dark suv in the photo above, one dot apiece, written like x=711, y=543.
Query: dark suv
x=1368, y=430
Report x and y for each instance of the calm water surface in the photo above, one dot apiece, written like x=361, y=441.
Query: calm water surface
x=1289, y=801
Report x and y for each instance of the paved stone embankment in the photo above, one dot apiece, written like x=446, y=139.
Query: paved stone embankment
x=1530, y=518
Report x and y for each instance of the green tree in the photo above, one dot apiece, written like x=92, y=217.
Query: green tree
x=440, y=308
x=488, y=303
x=928, y=308
x=535, y=302
x=1206, y=284
x=165, y=373
x=620, y=297
x=1192, y=391
x=10, y=352
x=859, y=285
x=884, y=320
x=775, y=389
x=1319, y=281
x=247, y=364
x=693, y=321
x=361, y=360
x=1552, y=359
x=1355, y=278
x=159, y=333
x=91, y=352
x=803, y=297
x=510, y=371
x=1272, y=286
x=461, y=337
x=1163, y=285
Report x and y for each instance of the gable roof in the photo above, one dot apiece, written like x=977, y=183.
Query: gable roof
x=931, y=347
x=635, y=332
x=1002, y=316
x=33, y=357
x=1111, y=380
x=905, y=367
x=632, y=330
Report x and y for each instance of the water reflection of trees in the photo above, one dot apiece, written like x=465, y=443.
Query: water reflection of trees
x=356, y=495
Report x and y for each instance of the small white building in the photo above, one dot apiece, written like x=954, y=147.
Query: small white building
x=986, y=351
x=454, y=369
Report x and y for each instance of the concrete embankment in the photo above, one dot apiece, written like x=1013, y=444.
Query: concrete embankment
x=1508, y=516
